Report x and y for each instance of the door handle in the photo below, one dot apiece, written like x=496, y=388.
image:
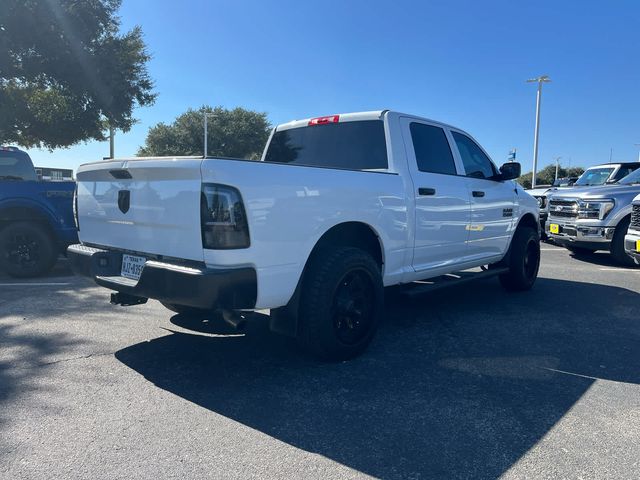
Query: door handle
x=478, y=193
x=426, y=191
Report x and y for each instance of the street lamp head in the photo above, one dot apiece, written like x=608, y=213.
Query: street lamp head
x=540, y=79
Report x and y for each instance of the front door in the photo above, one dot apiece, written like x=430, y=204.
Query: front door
x=492, y=201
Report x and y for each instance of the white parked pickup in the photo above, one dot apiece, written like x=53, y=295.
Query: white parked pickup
x=338, y=208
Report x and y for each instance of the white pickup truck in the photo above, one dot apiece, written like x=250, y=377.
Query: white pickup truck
x=337, y=208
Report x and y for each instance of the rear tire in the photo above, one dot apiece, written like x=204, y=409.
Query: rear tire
x=341, y=303
x=523, y=261
x=617, y=244
x=27, y=250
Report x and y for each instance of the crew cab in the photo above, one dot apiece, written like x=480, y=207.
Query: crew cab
x=36, y=217
x=338, y=208
x=594, y=218
x=632, y=238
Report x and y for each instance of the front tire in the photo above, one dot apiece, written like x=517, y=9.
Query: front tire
x=523, y=261
x=341, y=303
x=26, y=250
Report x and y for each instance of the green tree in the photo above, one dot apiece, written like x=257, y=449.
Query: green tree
x=66, y=73
x=547, y=175
x=235, y=133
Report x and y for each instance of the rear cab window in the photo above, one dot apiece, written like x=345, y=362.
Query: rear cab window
x=16, y=165
x=623, y=172
x=355, y=145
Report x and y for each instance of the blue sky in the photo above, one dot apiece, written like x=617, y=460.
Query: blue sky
x=461, y=62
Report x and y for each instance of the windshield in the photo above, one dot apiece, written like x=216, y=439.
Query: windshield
x=595, y=176
x=631, y=179
x=16, y=166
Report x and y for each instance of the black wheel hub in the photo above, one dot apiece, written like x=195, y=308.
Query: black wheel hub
x=353, y=307
x=22, y=250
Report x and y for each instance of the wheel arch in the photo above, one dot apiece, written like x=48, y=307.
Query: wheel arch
x=284, y=320
x=351, y=234
x=25, y=213
x=528, y=220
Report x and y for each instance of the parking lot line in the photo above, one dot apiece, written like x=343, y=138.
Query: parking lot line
x=618, y=270
x=35, y=284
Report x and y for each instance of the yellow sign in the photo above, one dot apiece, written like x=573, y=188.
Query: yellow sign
x=554, y=228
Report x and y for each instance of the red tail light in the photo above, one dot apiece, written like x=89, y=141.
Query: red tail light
x=323, y=120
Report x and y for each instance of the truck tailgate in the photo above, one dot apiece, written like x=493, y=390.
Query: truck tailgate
x=147, y=206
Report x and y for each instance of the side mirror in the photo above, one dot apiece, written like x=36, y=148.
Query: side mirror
x=510, y=171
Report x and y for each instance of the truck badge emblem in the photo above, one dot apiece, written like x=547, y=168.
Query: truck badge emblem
x=124, y=199
x=558, y=208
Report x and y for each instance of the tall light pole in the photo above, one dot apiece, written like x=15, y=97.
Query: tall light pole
x=557, y=166
x=112, y=134
x=540, y=80
x=206, y=116
x=638, y=145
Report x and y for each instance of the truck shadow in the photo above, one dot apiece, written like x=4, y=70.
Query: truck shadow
x=602, y=259
x=449, y=388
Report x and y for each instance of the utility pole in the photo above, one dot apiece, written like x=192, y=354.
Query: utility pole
x=540, y=80
x=206, y=131
x=557, y=166
x=112, y=133
x=638, y=145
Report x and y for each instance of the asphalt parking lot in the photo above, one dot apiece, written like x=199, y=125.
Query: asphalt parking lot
x=471, y=382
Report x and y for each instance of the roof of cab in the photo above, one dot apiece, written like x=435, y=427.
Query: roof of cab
x=353, y=117
x=615, y=164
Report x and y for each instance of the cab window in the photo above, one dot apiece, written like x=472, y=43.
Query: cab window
x=476, y=163
x=432, y=149
x=16, y=165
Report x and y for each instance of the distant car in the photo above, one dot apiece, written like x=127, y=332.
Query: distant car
x=609, y=173
x=36, y=217
x=564, y=182
x=540, y=194
x=632, y=239
x=594, y=218
x=605, y=173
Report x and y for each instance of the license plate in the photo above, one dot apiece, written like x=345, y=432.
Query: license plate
x=132, y=266
x=638, y=246
x=554, y=228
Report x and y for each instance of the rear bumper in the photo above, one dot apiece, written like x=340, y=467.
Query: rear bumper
x=631, y=240
x=194, y=286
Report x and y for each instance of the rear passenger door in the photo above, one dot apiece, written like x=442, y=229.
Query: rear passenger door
x=442, y=209
x=492, y=201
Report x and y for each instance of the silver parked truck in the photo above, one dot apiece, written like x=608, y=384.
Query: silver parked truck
x=594, y=218
x=632, y=239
